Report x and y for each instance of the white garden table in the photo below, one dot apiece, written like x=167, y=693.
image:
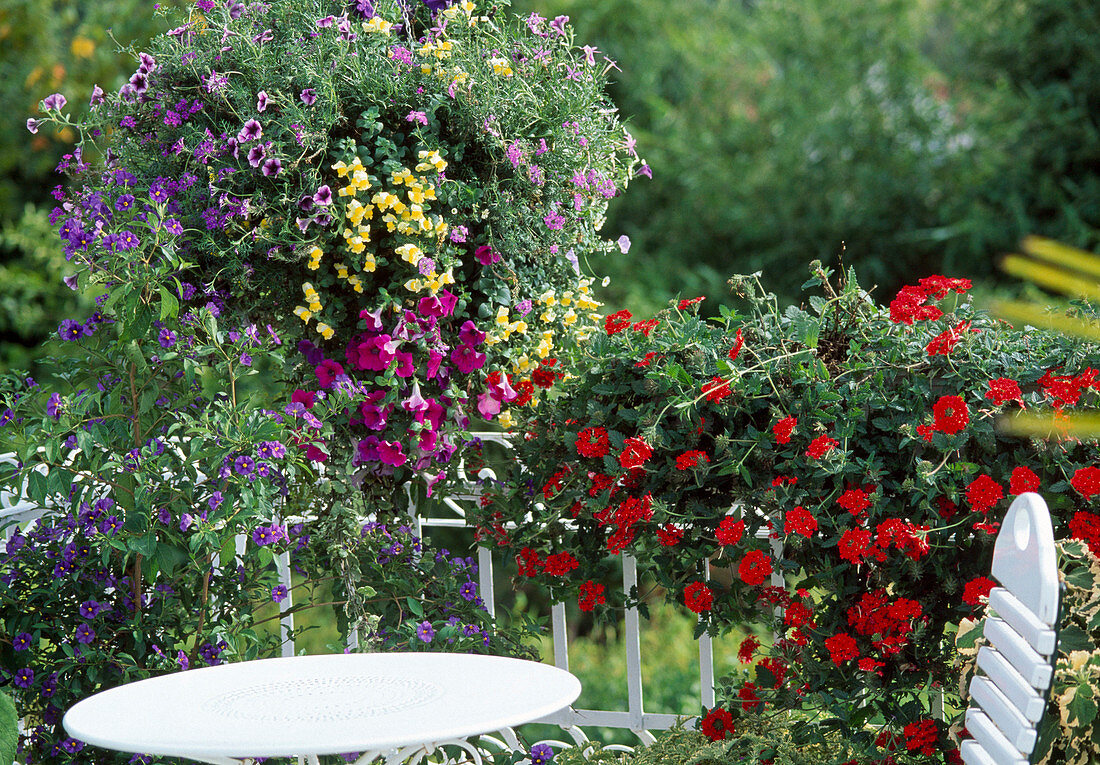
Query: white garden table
x=389, y=706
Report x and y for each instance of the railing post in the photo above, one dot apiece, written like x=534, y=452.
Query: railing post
x=633, y=644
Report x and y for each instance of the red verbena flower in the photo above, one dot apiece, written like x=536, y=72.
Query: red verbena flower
x=747, y=649
x=617, y=322
x=921, y=737
x=559, y=564
x=529, y=562
x=797, y=615
x=1086, y=527
x=867, y=664
x=950, y=414
x=976, y=590
x=1086, y=481
x=688, y=302
x=749, y=699
x=645, y=361
x=943, y=343
x=729, y=531
x=841, y=647
x=735, y=351
x=717, y=389
x=821, y=446
x=799, y=520
x=592, y=442
x=783, y=429
x=645, y=327
x=717, y=724
x=635, y=453
x=690, y=459
x=1003, y=389
x=698, y=597
x=544, y=377
x=1023, y=480
x=669, y=535
x=777, y=668
x=591, y=594
x=854, y=545
x=755, y=567
x=854, y=501
x=983, y=493
x=937, y=287
x=904, y=535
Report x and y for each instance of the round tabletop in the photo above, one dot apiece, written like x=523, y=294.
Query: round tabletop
x=321, y=704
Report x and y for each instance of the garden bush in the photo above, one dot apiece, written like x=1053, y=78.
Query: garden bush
x=317, y=236
x=861, y=441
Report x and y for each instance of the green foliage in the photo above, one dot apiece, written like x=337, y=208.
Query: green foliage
x=863, y=438
x=9, y=729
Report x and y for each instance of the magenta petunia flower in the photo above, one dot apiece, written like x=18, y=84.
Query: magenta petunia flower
x=485, y=255
x=256, y=155
x=54, y=101
x=32, y=125
x=308, y=96
x=466, y=359
x=252, y=131
x=469, y=334
x=390, y=453
x=261, y=100
x=272, y=167
x=323, y=197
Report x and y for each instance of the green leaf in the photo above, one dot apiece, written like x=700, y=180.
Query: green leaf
x=415, y=607
x=1073, y=638
x=9, y=729
x=169, y=305
x=1082, y=707
x=37, y=487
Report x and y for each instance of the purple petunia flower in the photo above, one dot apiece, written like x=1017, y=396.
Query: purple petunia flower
x=89, y=608
x=97, y=96
x=252, y=131
x=164, y=516
x=33, y=125
x=24, y=678
x=173, y=226
x=186, y=521
x=72, y=745
x=110, y=525
x=182, y=660
x=323, y=197
x=261, y=100
x=624, y=243
x=308, y=96
x=5, y=417
x=272, y=167
x=279, y=593
x=215, y=500
x=256, y=155
x=54, y=101
x=22, y=641
x=167, y=338
x=70, y=330
x=85, y=634
x=53, y=406
x=244, y=464
x=425, y=632
x=468, y=591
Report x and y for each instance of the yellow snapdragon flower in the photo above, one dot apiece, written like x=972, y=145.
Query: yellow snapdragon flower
x=326, y=331
x=505, y=419
x=429, y=160
x=410, y=253
x=377, y=24
x=303, y=314
x=501, y=67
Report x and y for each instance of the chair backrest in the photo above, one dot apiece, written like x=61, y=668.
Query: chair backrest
x=1008, y=699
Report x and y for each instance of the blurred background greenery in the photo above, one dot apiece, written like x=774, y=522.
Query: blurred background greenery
x=904, y=136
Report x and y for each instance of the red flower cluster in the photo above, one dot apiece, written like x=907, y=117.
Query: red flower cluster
x=591, y=595
x=559, y=564
x=977, y=589
x=747, y=649
x=950, y=414
x=592, y=442
x=1086, y=481
x=854, y=501
x=645, y=327
x=749, y=699
x=717, y=389
x=698, y=597
x=688, y=302
x=645, y=361
x=738, y=342
x=854, y=545
x=943, y=343
x=841, y=647
x=1086, y=527
x=911, y=302
x=554, y=483
x=776, y=667
x=544, y=376
x=1066, y=391
x=821, y=446
x=717, y=724
x=529, y=562
x=783, y=429
x=617, y=322
x=1003, y=389
x=755, y=567
x=669, y=535
x=690, y=459
x=1023, y=480
x=799, y=520
x=629, y=512
x=921, y=736
x=887, y=624
x=904, y=536
x=983, y=493
x=635, y=453
x=729, y=531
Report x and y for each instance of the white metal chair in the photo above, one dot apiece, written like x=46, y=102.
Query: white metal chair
x=1008, y=700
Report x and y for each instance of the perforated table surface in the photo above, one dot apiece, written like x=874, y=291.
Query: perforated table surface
x=378, y=703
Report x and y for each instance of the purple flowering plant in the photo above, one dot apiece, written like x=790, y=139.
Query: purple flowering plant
x=420, y=275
